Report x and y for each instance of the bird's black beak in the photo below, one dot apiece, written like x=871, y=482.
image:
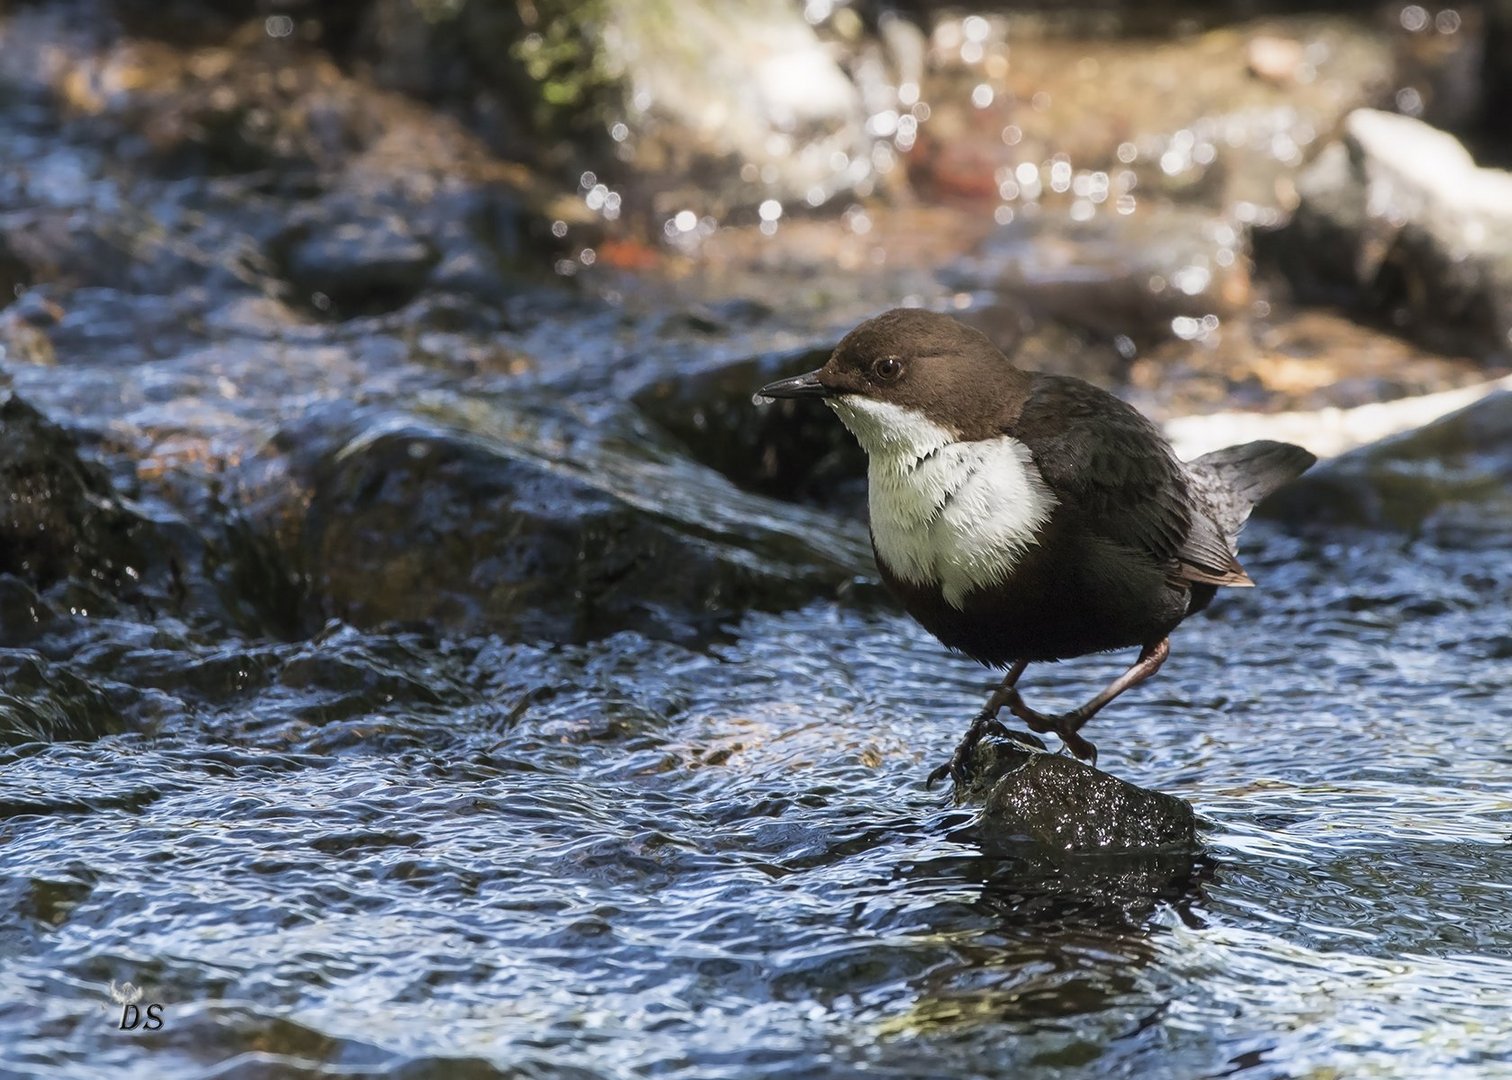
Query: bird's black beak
x=799, y=386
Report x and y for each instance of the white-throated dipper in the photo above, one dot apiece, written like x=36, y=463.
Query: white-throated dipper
x=1022, y=517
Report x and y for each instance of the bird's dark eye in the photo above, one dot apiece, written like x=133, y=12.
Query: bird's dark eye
x=888, y=368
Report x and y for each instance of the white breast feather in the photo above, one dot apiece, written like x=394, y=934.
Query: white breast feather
x=958, y=515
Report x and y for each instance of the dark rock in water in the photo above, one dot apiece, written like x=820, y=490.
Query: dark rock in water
x=1397, y=218
x=351, y=254
x=1497, y=69
x=785, y=449
x=15, y=273
x=393, y=518
x=1450, y=480
x=70, y=541
x=366, y=264
x=43, y=702
x=1036, y=339
x=24, y=614
x=59, y=516
x=1052, y=803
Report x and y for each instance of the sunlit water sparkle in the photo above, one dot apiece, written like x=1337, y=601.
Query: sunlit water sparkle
x=405, y=856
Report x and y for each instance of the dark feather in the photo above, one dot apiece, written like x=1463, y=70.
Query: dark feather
x=1232, y=480
x=1114, y=470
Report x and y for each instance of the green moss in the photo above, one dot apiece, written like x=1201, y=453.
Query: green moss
x=546, y=59
x=562, y=52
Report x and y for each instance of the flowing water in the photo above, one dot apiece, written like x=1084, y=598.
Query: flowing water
x=394, y=854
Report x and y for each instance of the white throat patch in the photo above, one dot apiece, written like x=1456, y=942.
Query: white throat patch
x=957, y=515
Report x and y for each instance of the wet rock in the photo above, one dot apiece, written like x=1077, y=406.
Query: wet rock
x=192, y=159
x=1038, y=340
x=74, y=539
x=117, y=328
x=234, y=103
x=1497, y=71
x=1450, y=481
x=24, y=614
x=361, y=265
x=23, y=332
x=395, y=518
x=1396, y=218
x=15, y=272
x=1300, y=361
x=59, y=516
x=786, y=449
x=1053, y=803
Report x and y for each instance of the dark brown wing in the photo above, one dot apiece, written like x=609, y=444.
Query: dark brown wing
x=1111, y=467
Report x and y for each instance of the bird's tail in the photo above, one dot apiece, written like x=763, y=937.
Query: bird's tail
x=1235, y=478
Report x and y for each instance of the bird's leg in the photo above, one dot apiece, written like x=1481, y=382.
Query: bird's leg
x=984, y=722
x=1047, y=725
x=1068, y=724
x=1005, y=689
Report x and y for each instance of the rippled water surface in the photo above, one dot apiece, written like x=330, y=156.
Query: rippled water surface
x=415, y=856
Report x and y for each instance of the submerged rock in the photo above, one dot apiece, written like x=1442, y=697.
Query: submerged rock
x=1450, y=480
x=45, y=702
x=1051, y=803
x=1397, y=218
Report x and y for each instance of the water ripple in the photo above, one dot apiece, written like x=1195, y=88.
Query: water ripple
x=385, y=854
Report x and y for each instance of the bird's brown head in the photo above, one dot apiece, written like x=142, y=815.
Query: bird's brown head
x=913, y=365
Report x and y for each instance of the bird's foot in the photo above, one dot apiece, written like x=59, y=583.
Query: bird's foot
x=958, y=768
x=1063, y=726
x=1079, y=747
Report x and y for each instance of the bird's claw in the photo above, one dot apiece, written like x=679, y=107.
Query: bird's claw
x=1079, y=747
x=1064, y=726
x=958, y=768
